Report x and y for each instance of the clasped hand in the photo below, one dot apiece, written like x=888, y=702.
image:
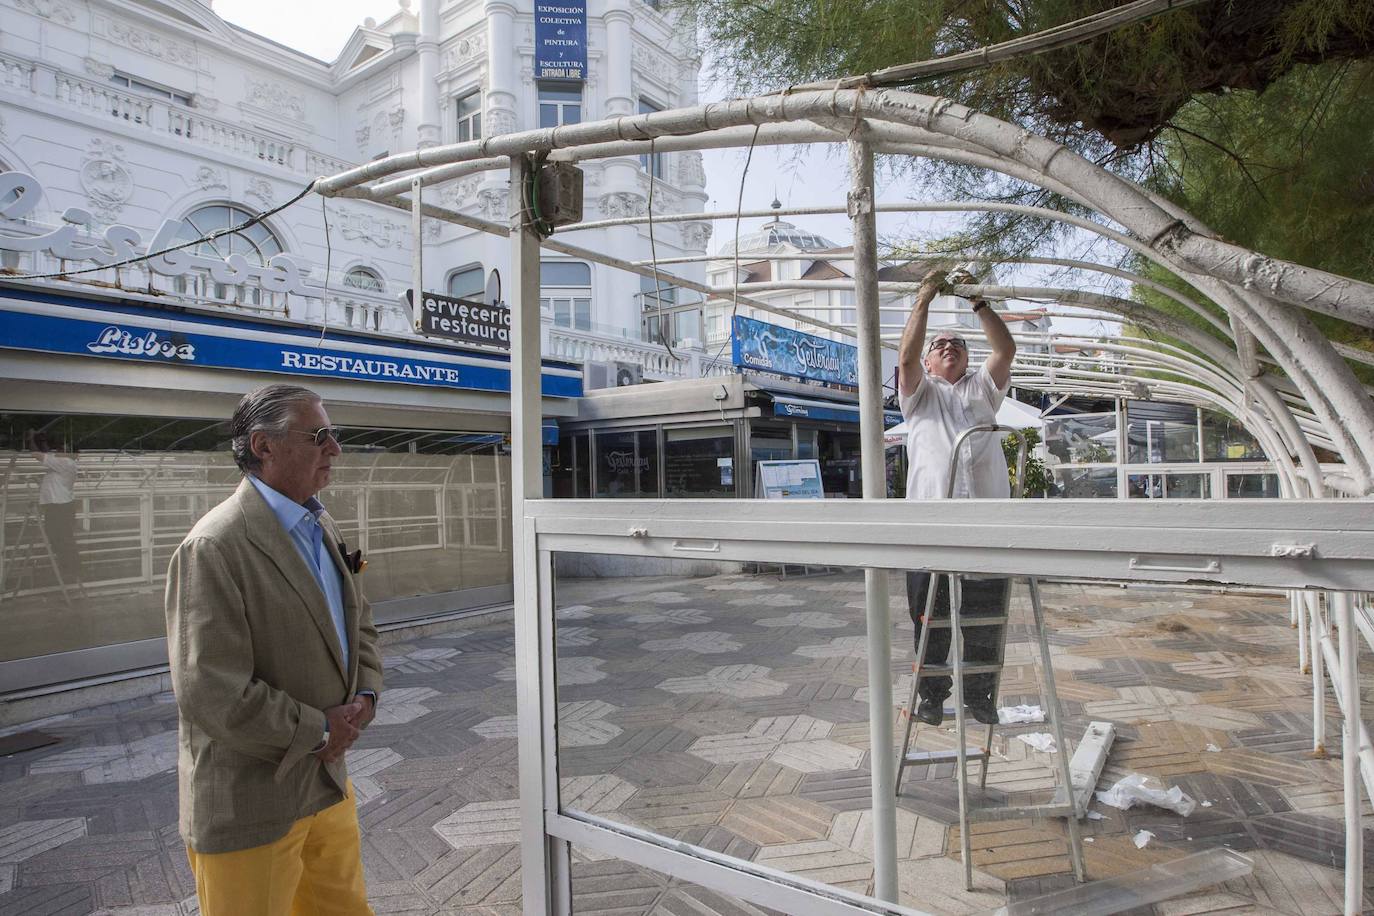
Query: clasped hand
x=346, y=723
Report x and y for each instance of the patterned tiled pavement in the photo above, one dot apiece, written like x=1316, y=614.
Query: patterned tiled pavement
x=731, y=712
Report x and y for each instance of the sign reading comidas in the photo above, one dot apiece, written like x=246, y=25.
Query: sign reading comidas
x=462, y=320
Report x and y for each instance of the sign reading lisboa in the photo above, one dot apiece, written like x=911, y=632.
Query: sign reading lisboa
x=120, y=243
x=770, y=348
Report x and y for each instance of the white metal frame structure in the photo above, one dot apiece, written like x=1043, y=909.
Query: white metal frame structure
x=1298, y=393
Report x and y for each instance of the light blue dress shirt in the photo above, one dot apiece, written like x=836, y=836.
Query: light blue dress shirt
x=302, y=523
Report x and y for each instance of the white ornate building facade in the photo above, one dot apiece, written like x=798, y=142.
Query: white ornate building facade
x=137, y=112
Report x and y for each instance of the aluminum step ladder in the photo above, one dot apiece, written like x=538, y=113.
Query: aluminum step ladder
x=958, y=668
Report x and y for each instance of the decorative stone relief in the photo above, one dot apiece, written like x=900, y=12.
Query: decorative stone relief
x=97, y=68
x=48, y=9
x=656, y=65
x=500, y=121
x=695, y=235
x=208, y=178
x=433, y=228
x=468, y=48
x=203, y=102
x=462, y=193
x=150, y=43
x=621, y=204
x=397, y=117
x=262, y=189
x=495, y=204
x=2, y=127
x=276, y=98
x=105, y=178
x=361, y=135
x=666, y=199
x=379, y=125
x=356, y=225
x=691, y=173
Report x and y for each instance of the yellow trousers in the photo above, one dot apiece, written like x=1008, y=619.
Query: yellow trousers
x=315, y=870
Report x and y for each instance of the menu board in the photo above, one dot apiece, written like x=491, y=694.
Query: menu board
x=796, y=479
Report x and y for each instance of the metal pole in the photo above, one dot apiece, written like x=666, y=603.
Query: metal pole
x=874, y=464
x=1349, y=675
x=534, y=715
x=417, y=258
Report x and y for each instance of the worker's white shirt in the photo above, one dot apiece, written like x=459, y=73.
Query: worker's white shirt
x=59, y=484
x=937, y=412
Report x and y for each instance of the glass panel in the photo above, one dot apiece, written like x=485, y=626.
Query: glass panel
x=1085, y=483
x=724, y=705
x=1252, y=486
x=699, y=462
x=468, y=283
x=1081, y=438
x=1225, y=439
x=564, y=273
x=429, y=522
x=583, y=309
x=1169, y=486
x=548, y=116
x=626, y=463
x=571, y=469
x=1160, y=441
x=839, y=454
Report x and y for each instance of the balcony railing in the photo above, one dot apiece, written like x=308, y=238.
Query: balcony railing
x=104, y=100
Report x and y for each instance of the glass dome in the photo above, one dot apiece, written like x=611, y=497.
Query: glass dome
x=775, y=237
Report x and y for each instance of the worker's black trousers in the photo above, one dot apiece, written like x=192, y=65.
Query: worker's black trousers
x=981, y=598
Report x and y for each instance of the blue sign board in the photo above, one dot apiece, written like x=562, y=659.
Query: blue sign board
x=122, y=335
x=560, y=39
x=769, y=348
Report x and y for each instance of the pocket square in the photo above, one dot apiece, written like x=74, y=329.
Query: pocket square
x=354, y=561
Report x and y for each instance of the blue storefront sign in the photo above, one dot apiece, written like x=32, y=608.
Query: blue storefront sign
x=770, y=348
x=560, y=39
x=142, y=335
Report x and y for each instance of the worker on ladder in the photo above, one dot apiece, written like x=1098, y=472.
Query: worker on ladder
x=940, y=398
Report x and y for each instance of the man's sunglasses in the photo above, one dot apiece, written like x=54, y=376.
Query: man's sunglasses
x=319, y=436
x=947, y=343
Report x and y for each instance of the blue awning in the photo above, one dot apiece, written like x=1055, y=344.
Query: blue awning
x=809, y=409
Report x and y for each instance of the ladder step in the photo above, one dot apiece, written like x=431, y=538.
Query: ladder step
x=922, y=758
x=1016, y=813
x=948, y=670
x=944, y=622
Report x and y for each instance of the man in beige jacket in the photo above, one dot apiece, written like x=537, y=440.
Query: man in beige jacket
x=276, y=671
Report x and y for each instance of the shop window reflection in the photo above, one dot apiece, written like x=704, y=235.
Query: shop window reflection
x=428, y=509
x=699, y=462
x=626, y=463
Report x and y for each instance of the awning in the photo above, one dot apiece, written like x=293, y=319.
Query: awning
x=1012, y=413
x=809, y=409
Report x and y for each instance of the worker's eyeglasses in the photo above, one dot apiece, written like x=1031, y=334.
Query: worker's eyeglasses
x=947, y=343
x=320, y=436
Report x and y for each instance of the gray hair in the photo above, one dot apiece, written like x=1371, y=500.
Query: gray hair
x=269, y=409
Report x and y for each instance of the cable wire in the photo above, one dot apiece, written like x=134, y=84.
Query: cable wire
x=328, y=261
x=739, y=208
x=653, y=255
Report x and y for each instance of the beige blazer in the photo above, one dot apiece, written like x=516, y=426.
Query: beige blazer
x=255, y=659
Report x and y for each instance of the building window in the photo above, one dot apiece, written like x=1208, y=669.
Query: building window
x=467, y=282
x=559, y=103
x=655, y=165
x=256, y=243
x=565, y=288
x=470, y=117
x=129, y=82
x=365, y=279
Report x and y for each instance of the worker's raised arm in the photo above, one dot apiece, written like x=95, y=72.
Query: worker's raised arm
x=914, y=334
x=999, y=340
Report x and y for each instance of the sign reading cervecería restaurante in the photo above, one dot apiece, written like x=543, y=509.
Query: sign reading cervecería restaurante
x=462, y=320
